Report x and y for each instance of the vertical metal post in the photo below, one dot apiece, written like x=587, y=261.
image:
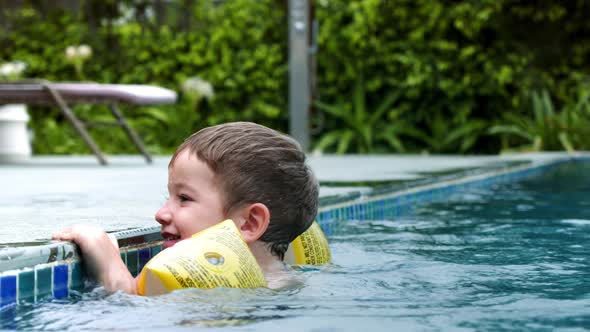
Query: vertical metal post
x=299, y=71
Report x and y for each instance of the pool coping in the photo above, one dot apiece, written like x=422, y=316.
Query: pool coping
x=31, y=273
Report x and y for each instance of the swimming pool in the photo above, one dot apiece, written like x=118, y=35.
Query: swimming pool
x=496, y=255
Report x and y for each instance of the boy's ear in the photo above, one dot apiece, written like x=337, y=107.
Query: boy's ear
x=253, y=222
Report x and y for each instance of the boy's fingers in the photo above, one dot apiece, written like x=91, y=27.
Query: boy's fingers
x=68, y=234
x=113, y=240
x=64, y=235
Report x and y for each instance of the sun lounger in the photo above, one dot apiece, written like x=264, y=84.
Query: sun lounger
x=65, y=94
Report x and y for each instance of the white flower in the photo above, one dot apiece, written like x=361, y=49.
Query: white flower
x=12, y=70
x=19, y=67
x=6, y=69
x=84, y=51
x=78, y=53
x=71, y=52
x=195, y=86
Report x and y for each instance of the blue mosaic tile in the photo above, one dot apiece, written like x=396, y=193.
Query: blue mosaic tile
x=389, y=208
x=155, y=250
x=375, y=210
x=429, y=196
x=76, y=276
x=378, y=209
x=327, y=228
x=321, y=217
x=60, y=281
x=399, y=200
x=132, y=262
x=398, y=206
x=43, y=281
x=451, y=190
x=124, y=257
x=26, y=287
x=7, y=290
x=144, y=257
x=328, y=216
x=385, y=208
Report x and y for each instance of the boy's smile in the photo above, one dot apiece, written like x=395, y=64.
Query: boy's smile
x=195, y=200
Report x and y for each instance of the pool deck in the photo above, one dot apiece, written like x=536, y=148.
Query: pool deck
x=47, y=193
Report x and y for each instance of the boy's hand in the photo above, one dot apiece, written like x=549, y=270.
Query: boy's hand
x=101, y=256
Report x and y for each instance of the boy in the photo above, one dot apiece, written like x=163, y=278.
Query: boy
x=242, y=171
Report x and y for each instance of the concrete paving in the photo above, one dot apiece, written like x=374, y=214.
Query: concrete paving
x=45, y=194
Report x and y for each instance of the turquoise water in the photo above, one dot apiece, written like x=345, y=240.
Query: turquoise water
x=512, y=256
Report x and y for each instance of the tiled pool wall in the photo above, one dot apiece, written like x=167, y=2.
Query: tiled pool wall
x=384, y=204
x=57, y=269
x=53, y=271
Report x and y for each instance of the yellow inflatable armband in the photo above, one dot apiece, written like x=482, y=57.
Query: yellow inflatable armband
x=214, y=257
x=309, y=248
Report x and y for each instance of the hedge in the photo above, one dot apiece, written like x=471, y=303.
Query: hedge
x=456, y=68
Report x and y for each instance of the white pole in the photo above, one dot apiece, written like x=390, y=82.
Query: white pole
x=299, y=72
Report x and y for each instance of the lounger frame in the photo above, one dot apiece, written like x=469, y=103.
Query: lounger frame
x=64, y=94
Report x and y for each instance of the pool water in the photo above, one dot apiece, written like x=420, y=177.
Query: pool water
x=513, y=256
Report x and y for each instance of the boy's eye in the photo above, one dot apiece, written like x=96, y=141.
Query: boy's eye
x=183, y=198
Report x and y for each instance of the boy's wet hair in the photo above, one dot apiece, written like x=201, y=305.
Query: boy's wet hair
x=252, y=164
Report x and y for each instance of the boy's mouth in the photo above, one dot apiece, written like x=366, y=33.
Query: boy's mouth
x=169, y=240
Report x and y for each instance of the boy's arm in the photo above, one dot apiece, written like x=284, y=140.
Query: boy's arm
x=101, y=257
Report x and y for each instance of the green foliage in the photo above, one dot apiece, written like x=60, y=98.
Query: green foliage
x=461, y=65
x=358, y=128
x=566, y=129
x=454, y=68
x=433, y=52
x=455, y=135
x=238, y=46
x=168, y=125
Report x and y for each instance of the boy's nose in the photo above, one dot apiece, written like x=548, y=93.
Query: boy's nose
x=164, y=216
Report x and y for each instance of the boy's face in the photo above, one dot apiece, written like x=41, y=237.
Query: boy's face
x=195, y=200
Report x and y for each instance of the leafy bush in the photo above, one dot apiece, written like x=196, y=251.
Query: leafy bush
x=566, y=129
x=238, y=46
x=457, y=68
x=360, y=128
x=461, y=65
